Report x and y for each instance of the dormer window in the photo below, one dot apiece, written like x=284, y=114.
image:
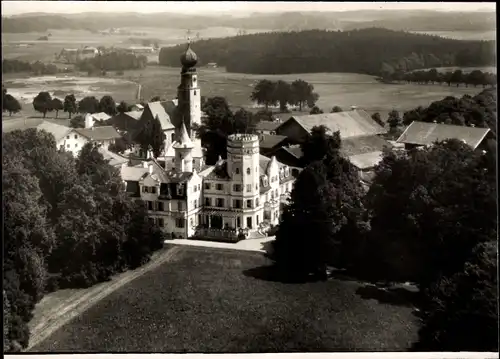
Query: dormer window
x=248, y=170
x=265, y=181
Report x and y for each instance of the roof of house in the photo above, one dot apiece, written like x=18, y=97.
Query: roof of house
x=99, y=133
x=197, y=151
x=136, y=115
x=350, y=123
x=113, y=158
x=363, y=144
x=294, y=150
x=138, y=105
x=270, y=141
x=59, y=131
x=129, y=173
x=426, y=133
x=368, y=160
x=267, y=125
x=218, y=171
x=101, y=116
x=158, y=111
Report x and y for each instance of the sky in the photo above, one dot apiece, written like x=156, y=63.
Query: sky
x=214, y=7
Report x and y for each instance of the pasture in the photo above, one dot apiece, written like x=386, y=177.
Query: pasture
x=219, y=300
x=463, y=35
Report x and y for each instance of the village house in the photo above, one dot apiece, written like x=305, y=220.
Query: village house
x=234, y=198
x=267, y=127
x=269, y=143
x=423, y=134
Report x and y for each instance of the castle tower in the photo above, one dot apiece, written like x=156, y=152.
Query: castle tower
x=188, y=92
x=183, y=152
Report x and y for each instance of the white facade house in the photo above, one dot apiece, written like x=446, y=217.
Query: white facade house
x=186, y=197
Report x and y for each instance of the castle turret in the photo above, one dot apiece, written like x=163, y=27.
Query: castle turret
x=188, y=92
x=183, y=152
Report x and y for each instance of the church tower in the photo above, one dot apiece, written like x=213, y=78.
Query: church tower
x=183, y=152
x=188, y=93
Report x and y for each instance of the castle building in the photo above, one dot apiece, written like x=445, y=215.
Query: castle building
x=232, y=199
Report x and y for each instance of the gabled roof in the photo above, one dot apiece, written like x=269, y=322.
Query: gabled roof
x=136, y=115
x=363, y=144
x=350, y=123
x=426, y=133
x=101, y=116
x=270, y=141
x=159, y=112
x=366, y=160
x=99, y=133
x=113, y=158
x=59, y=131
x=170, y=107
x=267, y=125
x=218, y=171
x=133, y=173
x=294, y=150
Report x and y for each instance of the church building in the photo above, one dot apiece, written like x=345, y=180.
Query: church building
x=231, y=200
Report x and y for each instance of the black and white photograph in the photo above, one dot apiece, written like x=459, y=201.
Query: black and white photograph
x=231, y=177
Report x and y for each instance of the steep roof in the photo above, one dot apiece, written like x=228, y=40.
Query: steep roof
x=113, y=158
x=197, y=151
x=170, y=107
x=184, y=140
x=59, y=131
x=363, y=144
x=101, y=116
x=270, y=141
x=267, y=125
x=366, y=160
x=136, y=115
x=426, y=133
x=158, y=111
x=350, y=123
x=129, y=173
x=99, y=133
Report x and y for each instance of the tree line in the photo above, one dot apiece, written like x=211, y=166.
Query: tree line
x=474, y=78
x=414, y=224
x=68, y=224
x=357, y=51
x=112, y=61
x=282, y=93
x=36, y=68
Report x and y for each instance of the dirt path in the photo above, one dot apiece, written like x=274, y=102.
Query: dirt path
x=80, y=302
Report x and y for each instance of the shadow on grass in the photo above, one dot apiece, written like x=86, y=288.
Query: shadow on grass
x=271, y=273
x=395, y=296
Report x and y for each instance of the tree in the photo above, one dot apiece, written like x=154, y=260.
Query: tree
x=316, y=110
x=77, y=122
x=325, y=212
x=88, y=104
x=70, y=105
x=302, y=92
x=244, y=121
x=122, y=107
x=155, y=99
x=57, y=105
x=312, y=99
x=336, y=109
x=463, y=312
x=457, y=77
x=10, y=104
x=264, y=93
x=320, y=144
x=394, y=121
x=43, y=103
x=152, y=137
x=376, y=117
x=282, y=94
x=119, y=146
x=107, y=105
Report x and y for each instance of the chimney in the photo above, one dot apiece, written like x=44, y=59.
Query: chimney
x=144, y=164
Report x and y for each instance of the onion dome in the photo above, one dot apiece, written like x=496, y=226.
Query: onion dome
x=189, y=58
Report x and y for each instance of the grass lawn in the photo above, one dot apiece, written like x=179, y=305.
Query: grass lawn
x=216, y=300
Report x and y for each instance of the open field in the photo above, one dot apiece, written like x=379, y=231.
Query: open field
x=216, y=300
x=463, y=35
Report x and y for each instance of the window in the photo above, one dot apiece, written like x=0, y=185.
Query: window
x=207, y=185
x=195, y=188
x=276, y=193
x=151, y=220
x=257, y=220
x=194, y=84
x=67, y=145
x=219, y=187
x=179, y=222
x=237, y=203
x=150, y=205
x=220, y=202
x=195, y=203
x=76, y=137
x=180, y=206
x=248, y=170
x=236, y=187
x=153, y=190
x=257, y=203
x=172, y=138
x=67, y=137
x=249, y=188
x=208, y=201
x=249, y=203
x=237, y=170
x=180, y=190
x=256, y=186
x=161, y=222
x=76, y=145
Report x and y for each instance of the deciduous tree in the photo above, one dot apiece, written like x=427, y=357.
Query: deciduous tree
x=264, y=93
x=10, y=104
x=88, y=104
x=57, y=105
x=43, y=103
x=70, y=106
x=107, y=105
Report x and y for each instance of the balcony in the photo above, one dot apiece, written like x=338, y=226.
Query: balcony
x=221, y=235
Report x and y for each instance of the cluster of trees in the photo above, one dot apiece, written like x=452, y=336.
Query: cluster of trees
x=68, y=223
x=9, y=103
x=415, y=224
x=112, y=61
x=37, y=67
x=298, y=93
x=433, y=76
x=356, y=51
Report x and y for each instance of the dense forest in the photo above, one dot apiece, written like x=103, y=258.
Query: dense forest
x=360, y=51
x=414, y=20
x=68, y=223
x=36, y=68
x=112, y=61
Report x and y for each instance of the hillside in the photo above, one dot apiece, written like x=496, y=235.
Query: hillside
x=367, y=51
x=416, y=20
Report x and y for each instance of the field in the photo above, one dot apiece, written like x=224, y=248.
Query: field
x=462, y=35
x=216, y=300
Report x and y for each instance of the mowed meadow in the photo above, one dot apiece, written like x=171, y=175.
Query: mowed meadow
x=221, y=300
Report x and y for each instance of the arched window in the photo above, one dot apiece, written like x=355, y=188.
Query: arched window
x=248, y=170
x=172, y=137
x=237, y=170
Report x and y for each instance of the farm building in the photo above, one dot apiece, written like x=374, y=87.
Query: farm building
x=422, y=134
x=267, y=127
x=269, y=143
